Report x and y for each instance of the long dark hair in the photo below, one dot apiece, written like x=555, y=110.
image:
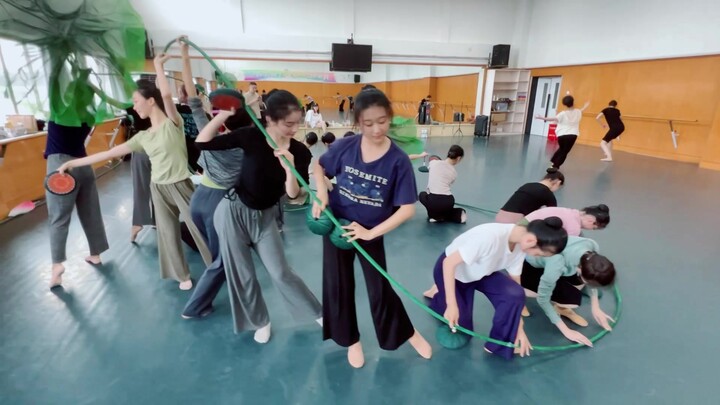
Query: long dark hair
x=149, y=90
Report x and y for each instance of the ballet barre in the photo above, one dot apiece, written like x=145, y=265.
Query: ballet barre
x=673, y=133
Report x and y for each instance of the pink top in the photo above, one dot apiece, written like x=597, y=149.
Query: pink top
x=570, y=218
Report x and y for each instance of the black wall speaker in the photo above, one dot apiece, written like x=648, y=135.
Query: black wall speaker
x=357, y=78
x=149, y=51
x=500, y=57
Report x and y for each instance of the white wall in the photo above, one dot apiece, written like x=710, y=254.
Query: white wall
x=564, y=32
x=459, y=31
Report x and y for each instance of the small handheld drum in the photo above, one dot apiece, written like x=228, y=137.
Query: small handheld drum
x=424, y=168
x=60, y=184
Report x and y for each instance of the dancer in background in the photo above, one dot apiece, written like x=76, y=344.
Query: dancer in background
x=615, y=128
x=568, y=129
x=438, y=199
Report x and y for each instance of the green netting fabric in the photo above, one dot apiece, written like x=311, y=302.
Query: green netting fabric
x=109, y=31
x=403, y=132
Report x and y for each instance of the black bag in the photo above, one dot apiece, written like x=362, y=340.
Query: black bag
x=481, y=125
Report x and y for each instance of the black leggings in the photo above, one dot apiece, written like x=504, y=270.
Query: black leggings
x=566, y=143
x=565, y=291
x=441, y=207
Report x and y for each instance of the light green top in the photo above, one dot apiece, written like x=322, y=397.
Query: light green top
x=167, y=151
x=562, y=265
x=207, y=182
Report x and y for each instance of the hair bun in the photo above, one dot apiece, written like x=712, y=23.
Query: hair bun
x=552, y=170
x=604, y=208
x=553, y=222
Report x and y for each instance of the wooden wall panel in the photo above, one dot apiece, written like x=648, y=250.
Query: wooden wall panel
x=686, y=89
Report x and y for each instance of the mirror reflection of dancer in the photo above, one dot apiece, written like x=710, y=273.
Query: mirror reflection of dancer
x=614, y=126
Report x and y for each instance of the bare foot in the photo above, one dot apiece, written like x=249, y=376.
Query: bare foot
x=431, y=292
x=356, y=358
x=525, y=312
x=463, y=217
x=94, y=259
x=134, y=231
x=421, y=345
x=262, y=335
x=186, y=285
x=57, y=271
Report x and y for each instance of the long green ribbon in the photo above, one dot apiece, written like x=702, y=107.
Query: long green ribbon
x=398, y=286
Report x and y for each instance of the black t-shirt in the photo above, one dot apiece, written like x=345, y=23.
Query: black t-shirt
x=612, y=116
x=261, y=183
x=342, y=106
x=530, y=197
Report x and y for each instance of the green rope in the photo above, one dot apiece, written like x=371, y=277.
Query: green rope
x=398, y=286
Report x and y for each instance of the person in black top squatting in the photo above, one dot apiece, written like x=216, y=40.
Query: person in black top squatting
x=615, y=125
x=376, y=191
x=246, y=218
x=531, y=197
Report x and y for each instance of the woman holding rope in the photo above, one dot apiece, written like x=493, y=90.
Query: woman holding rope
x=246, y=218
x=473, y=261
x=376, y=191
x=171, y=187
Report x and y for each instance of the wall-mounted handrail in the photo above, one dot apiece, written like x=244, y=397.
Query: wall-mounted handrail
x=673, y=133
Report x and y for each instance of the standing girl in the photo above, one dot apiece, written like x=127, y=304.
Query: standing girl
x=615, y=128
x=531, y=197
x=568, y=129
x=220, y=169
x=438, y=199
x=171, y=187
x=246, y=219
x=376, y=191
x=472, y=263
x=63, y=144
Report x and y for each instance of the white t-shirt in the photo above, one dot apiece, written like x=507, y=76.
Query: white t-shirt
x=442, y=176
x=312, y=119
x=569, y=122
x=485, y=250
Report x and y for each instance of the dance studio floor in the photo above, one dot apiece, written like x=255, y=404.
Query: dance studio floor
x=114, y=333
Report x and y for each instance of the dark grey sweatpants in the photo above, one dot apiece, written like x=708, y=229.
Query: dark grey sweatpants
x=60, y=208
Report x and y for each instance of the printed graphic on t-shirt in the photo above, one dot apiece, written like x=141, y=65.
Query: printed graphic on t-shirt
x=191, y=130
x=362, y=188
